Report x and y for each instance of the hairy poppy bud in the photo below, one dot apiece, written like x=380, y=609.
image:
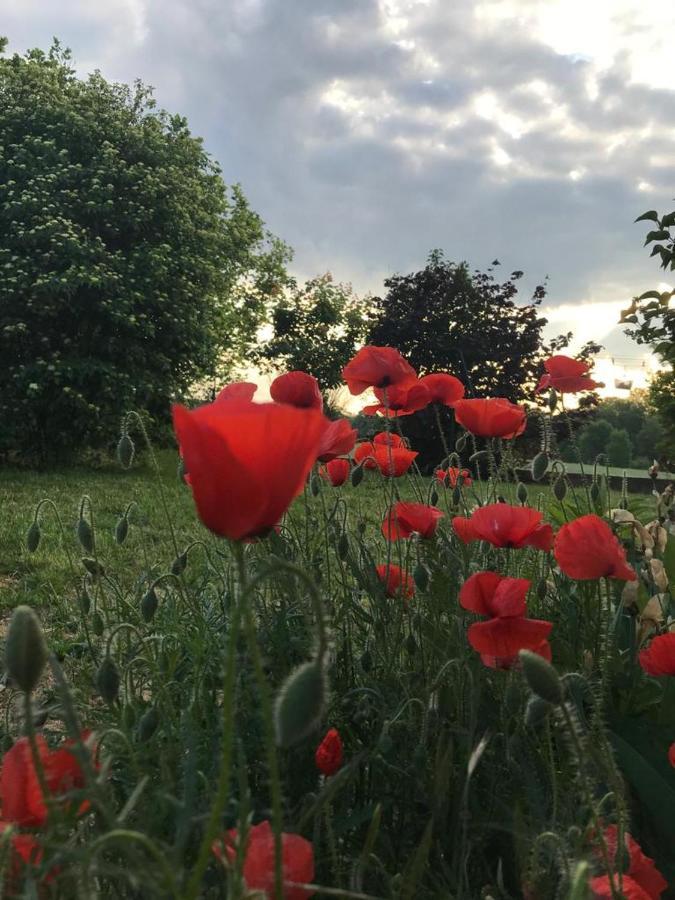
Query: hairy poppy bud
x=536, y=711
x=460, y=443
x=125, y=451
x=33, y=537
x=85, y=535
x=595, y=492
x=121, y=530
x=108, y=680
x=521, y=493
x=539, y=465
x=552, y=400
x=541, y=677
x=560, y=488
x=357, y=476
x=84, y=599
x=300, y=703
x=148, y=724
x=94, y=568
x=149, y=605
x=179, y=564
x=456, y=495
x=25, y=650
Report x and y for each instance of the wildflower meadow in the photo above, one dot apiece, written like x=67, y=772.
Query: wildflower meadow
x=351, y=680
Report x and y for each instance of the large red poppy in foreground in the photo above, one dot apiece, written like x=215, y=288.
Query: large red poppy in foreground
x=505, y=526
x=491, y=418
x=566, y=375
x=247, y=461
x=377, y=367
x=588, y=548
x=297, y=857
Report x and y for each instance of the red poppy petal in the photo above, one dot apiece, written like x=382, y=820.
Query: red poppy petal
x=477, y=591
x=504, y=637
x=509, y=597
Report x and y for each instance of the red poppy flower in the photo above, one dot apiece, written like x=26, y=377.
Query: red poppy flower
x=396, y=581
x=377, y=367
x=297, y=389
x=671, y=755
x=237, y=390
x=388, y=439
x=405, y=519
x=365, y=453
x=336, y=471
x=503, y=637
x=297, y=857
x=588, y=548
x=451, y=476
x=399, y=400
x=630, y=889
x=492, y=594
x=491, y=418
x=509, y=662
x=443, y=388
x=641, y=868
x=393, y=461
x=505, y=526
x=337, y=438
x=329, y=753
x=566, y=375
x=659, y=657
x=247, y=461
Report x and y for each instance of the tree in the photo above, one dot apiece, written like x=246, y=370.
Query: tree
x=619, y=448
x=445, y=318
x=129, y=270
x=653, y=316
x=593, y=440
x=316, y=327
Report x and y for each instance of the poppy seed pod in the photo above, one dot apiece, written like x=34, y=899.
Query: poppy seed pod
x=541, y=677
x=300, y=703
x=25, y=650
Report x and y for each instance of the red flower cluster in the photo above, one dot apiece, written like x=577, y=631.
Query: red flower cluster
x=336, y=471
x=641, y=881
x=231, y=448
x=397, y=583
x=297, y=857
x=491, y=418
x=659, y=658
x=566, y=375
x=405, y=519
x=330, y=753
x=297, y=389
x=588, y=548
x=23, y=803
x=377, y=367
x=507, y=630
x=451, y=476
x=505, y=526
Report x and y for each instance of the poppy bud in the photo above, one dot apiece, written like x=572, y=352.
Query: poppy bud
x=560, y=488
x=343, y=546
x=25, y=650
x=460, y=443
x=541, y=677
x=94, y=568
x=357, y=476
x=179, y=564
x=521, y=493
x=330, y=753
x=33, y=537
x=539, y=465
x=97, y=625
x=433, y=497
x=122, y=530
x=595, y=492
x=108, y=680
x=84, y=599
x=300, y=703
x=85, y=535
x=421, y=576
x=536, y=711
x=149, y=605
x=552, y=400
x=456, y=495
x=148, y=724
x=125, y=451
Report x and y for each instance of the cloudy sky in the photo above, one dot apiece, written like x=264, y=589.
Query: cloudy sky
x=367, y=132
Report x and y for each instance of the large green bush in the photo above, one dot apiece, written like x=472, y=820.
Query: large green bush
x=120, y=252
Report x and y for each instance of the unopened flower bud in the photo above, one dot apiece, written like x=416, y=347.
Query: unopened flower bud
x=125, y=451
x=541, y=677
x=300, y=703
x=521, y=493
x=85, y=535
x=357, y=476
x=33, y=537
x=539, y=465
x=121, y=530
x=149, y=605
x=108, y=680
x=25, y=649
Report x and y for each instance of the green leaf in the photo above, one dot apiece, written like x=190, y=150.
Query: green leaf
x=659, y=235
x=651, y=215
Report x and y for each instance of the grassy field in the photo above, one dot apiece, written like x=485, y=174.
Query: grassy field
x=37, y=578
